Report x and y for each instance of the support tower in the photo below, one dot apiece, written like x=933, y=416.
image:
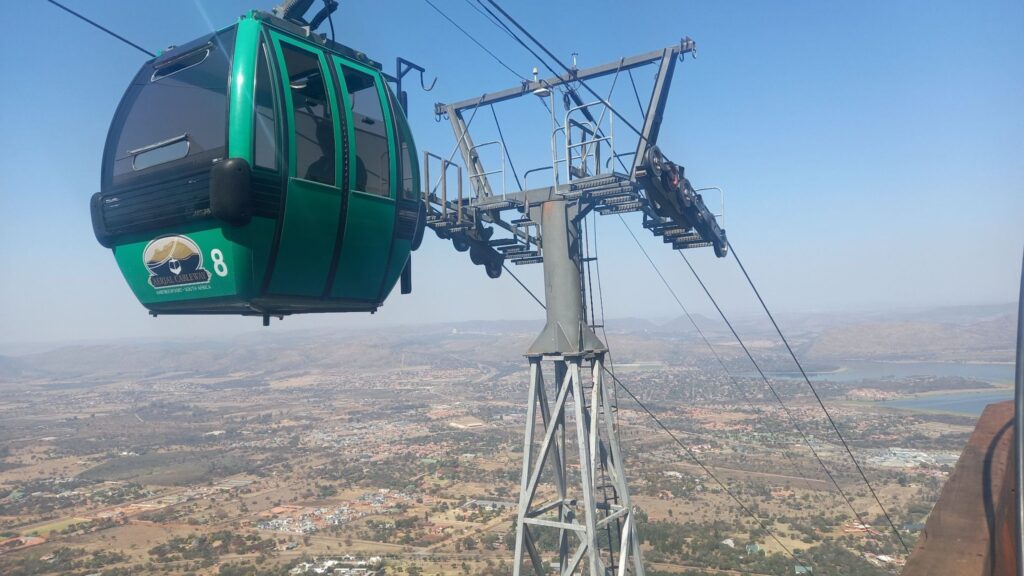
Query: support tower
x=573, y=484
x=574, y=510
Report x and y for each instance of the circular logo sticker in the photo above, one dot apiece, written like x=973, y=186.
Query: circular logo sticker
x=174, y=261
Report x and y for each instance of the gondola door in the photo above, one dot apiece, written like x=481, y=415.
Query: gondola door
x=309, y=230
x=370, y=216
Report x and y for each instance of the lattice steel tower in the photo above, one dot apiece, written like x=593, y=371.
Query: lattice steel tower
x=574, y=503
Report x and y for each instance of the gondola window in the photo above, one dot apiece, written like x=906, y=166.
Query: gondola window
x=314, y=126
x=373, y=161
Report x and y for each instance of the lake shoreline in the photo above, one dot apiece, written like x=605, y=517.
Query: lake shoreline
x=961, y=402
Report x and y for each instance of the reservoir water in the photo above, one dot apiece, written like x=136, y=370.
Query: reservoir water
x=856, y=370
x=968, y=403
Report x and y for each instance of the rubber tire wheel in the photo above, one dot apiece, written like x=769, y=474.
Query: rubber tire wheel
x=656, y=161
x=493, y=268
x=479, y=254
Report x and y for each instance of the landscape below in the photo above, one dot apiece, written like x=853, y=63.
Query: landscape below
x=399, y=449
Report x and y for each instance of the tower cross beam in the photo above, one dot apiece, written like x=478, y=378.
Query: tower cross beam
x=686, y=45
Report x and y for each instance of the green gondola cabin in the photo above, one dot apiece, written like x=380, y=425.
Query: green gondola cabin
x=260, y=170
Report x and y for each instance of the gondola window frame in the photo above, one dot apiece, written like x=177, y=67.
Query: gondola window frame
x=344, y=65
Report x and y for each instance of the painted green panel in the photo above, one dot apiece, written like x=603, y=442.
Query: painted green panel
x=364, y=252
x=398, y=259
x=308, y=235
x=310, y=222
x=243, y=82
x=191, y=263
x=370, y=219
x=258, y=235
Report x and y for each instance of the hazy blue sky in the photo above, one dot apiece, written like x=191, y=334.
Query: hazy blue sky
x=872, y=151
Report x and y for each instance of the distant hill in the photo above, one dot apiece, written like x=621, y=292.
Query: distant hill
x=11, y=367
x=957, y=334
x=991, y=339
x=272, y=354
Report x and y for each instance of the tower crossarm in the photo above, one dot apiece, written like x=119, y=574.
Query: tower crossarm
x=686, y=45
x=587, y=171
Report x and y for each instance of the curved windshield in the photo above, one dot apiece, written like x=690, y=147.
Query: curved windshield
x=175, y=111
x=406, y=152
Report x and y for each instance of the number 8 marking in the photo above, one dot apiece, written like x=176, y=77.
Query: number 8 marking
x=219, y=266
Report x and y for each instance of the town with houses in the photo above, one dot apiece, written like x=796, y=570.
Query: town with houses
x=288, y=467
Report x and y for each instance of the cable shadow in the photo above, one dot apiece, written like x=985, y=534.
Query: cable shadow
x=988, y=498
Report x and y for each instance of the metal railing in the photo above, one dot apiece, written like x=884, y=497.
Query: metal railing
x=442, y=183
x=721, y=199
x=589, y=147
x=477, y=176
x=555, y=160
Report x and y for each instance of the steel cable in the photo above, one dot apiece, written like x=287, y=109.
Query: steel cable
x=778, y=398
x=705, y=468
x=103, y=28
x=818, y=398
